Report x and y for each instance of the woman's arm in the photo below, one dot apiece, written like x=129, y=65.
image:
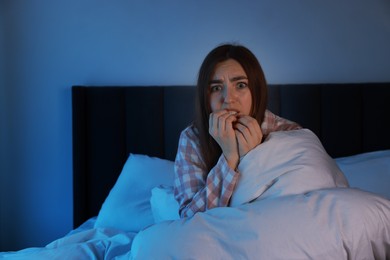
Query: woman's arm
x=195, y=189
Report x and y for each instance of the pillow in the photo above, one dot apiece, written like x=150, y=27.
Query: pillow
x=163, y=203
x=368, y=171
x=127, y=207
x=286, y=163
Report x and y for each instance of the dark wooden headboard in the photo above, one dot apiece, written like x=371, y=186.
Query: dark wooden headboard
x=111, y=122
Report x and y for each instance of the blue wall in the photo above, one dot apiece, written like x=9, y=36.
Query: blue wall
x=3, y=129
x=50, y=45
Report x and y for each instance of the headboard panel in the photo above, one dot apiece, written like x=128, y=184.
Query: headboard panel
x=111, y=122
x=348, y=118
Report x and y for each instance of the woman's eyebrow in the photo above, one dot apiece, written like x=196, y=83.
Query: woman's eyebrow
x=215, y=81
x=236, y=78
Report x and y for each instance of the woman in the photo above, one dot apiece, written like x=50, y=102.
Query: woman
x=231, y=119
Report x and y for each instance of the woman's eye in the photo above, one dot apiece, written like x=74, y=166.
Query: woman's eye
x=215, y=88
x=242, y=85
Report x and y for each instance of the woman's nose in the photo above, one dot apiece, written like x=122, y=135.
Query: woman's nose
x=229, y=94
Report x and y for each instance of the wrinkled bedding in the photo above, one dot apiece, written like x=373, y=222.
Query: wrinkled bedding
x=336, y=223
x=286, y=163
x=85, y=242
x=292, y=202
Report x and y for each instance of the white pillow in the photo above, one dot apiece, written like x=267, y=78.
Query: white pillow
x=127, y=207
x=163, y=203
x=368, y=171
x=288, y=162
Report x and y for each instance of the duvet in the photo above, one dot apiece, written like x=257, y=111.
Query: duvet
x=292, y=202
x=338, y=223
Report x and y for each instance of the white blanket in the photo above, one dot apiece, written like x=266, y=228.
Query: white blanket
x=292, y=202
x=336, y=223
x=85, y=242
x=286, y=163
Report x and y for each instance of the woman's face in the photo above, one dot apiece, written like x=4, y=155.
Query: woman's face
x=229, y=88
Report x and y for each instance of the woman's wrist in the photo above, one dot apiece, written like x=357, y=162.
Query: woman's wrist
x=233, y=161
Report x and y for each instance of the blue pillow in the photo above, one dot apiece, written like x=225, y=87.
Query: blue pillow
x=368, y=171
x=127, y=207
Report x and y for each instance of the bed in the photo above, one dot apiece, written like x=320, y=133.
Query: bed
x=124, y=143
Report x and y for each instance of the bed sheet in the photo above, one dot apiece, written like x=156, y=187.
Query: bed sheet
x=84, y=242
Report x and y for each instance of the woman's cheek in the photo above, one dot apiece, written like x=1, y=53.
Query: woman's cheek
x=215, y=104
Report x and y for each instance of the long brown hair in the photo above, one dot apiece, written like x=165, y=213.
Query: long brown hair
x=210, y=149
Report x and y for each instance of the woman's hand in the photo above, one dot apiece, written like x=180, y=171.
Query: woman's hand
x=248, y=133
x=221, y=129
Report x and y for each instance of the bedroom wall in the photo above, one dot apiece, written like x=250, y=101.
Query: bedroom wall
x=2, y=123
x=51, y=45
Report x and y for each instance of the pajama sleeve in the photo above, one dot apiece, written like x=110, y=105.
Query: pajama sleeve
x=195, y=188
x=272, y=123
